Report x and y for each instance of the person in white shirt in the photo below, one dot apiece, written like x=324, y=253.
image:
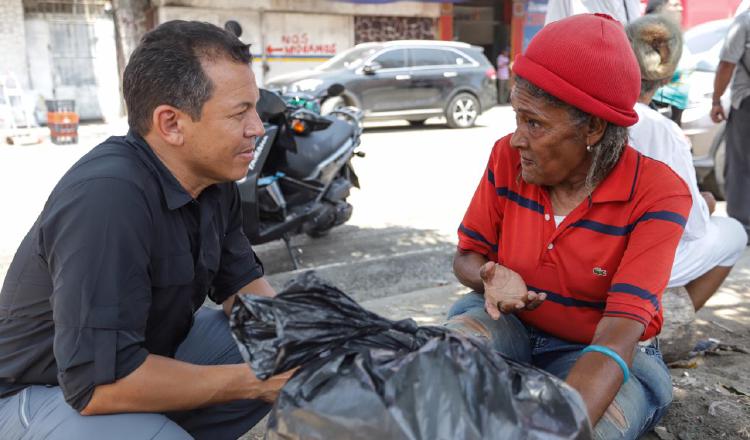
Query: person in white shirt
x=623, y=11
x=710, y=245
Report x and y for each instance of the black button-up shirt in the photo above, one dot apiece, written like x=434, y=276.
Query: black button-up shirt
x=114, y=268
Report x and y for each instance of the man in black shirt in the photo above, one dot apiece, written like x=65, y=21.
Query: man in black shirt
x=100, y=312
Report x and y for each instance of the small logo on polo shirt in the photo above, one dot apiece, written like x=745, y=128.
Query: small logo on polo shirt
x=598, y=271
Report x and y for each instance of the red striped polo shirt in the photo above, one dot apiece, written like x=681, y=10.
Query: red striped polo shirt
x=611, y=256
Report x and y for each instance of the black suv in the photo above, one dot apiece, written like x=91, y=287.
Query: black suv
x=412, y=80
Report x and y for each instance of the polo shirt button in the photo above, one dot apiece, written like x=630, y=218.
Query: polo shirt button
x=550, y=246
x=546, y=217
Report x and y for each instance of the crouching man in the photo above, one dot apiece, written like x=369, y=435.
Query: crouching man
x=102, y=329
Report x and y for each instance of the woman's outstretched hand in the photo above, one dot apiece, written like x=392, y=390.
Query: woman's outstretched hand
x=505, y=291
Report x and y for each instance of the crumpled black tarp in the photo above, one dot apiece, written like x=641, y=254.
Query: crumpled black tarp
x=366, y=377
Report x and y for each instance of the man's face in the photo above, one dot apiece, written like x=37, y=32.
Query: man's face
x=220, y=146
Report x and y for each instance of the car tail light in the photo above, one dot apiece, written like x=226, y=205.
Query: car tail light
x=491, y=73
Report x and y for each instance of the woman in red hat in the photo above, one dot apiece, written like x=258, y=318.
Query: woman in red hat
x=569, y=239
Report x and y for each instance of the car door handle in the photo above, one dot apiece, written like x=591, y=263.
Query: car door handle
x=402, y=77
x=449, y=74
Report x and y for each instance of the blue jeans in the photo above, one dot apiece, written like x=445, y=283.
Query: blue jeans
x=40, y=412
x=638, y=406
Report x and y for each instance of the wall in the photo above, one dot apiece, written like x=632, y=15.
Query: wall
x=401, y=8
x=97, y=99
x=12, y=41
x=374, y=28
x=474, y=25
x=295, y=42
x=292, y=35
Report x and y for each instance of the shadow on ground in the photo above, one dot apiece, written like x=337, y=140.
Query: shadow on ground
x=366, y=263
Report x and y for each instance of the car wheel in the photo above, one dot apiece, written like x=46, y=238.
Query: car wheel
x=331, y=104
x=714, y=182
x=417, y=123
x=462, y=111
x=720, y=161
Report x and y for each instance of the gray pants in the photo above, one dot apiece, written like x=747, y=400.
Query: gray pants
x=40, y=412
x=737, y=171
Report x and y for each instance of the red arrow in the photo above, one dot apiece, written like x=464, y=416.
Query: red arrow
x=270, y=49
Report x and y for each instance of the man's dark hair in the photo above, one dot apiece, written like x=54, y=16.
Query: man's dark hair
x=166, y=68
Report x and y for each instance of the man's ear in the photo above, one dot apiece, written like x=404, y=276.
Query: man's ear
x=595, y=130
x=167, y=123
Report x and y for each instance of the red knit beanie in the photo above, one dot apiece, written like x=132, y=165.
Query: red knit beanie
x=586, y=61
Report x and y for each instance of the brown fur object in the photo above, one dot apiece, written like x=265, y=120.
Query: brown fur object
x=657, y=43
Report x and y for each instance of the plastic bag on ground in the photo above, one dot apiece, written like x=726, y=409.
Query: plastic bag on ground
x=366, y=377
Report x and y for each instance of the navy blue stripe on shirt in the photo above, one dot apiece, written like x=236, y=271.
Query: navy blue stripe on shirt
x=635, y=178
x=568, y=301
x=476, y=236
x=604, y=228
x=491, y=176
x=663, y=215
x=617, y=313
x=523, y=201
x=637, y=291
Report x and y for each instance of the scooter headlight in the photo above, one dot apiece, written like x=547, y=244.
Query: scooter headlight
x=299, y=126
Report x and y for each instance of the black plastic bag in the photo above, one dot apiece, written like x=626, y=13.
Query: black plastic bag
x=366, y=377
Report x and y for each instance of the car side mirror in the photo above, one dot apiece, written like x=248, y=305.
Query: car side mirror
x=371, y=68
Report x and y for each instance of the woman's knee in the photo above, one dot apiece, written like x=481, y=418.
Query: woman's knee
x=506, y=335
x=471, y=300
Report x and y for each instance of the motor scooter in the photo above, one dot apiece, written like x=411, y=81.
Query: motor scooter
x=301, y=173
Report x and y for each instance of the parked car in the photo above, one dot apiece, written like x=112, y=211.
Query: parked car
x=412, y=80
x=701, y=59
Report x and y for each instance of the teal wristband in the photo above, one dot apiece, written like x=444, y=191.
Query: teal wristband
x=614, y=356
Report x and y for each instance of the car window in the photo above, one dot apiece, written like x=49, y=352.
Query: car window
x=437, y=57
x=349, y=59
x=429, y=57
x=392, y=59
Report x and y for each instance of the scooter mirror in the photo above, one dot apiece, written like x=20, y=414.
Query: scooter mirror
x=269, y=105
x=233, y=27
x=335, y=89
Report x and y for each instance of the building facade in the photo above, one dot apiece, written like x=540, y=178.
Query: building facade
x=292, y=35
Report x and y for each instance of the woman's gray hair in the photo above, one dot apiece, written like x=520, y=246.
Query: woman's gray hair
x=605, y=153
x=657, y=43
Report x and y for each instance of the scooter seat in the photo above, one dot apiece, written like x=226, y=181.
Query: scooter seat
x=315, y=148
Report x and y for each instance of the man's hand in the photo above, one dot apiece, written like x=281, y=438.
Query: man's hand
x=724, y=73
x=269, y=389
x=163, y=384
x=505, y=291
x=717, y=113
x=710, y=201
x=260, y=287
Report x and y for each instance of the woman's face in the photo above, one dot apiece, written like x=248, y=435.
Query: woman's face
x=552, y=146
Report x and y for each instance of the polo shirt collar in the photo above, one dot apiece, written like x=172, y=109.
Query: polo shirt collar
x=174, y=194
x=619, y=185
